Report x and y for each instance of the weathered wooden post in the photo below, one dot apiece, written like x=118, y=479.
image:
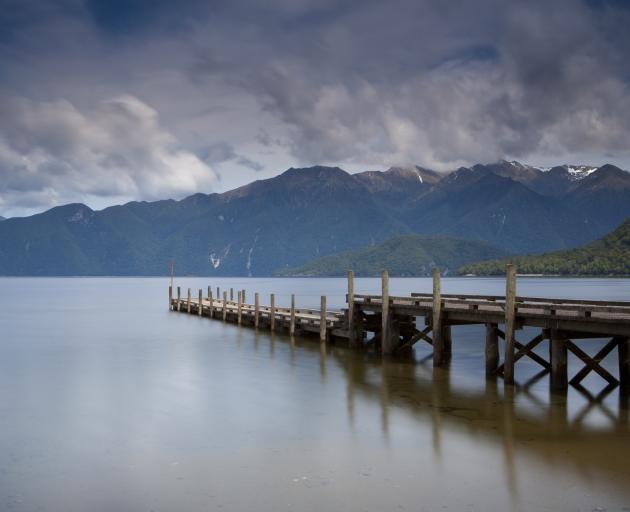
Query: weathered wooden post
x=239, y=307
x=559, y=374
x=200, y=308
x=224, y=305
x=492, y=349
x=231, y=294
x=243, y=296
x=256, y=310
x=322, y=320
x=510, y=317
x=211, y=310
x=218, y=293
x=170, y=296
x=179, y=299
x=209, y=292
x=438, y=334
x=292, y=324
x=272, y=313
x=189, y=301
x=386, y=338
x=624, y=363
x=352, y=339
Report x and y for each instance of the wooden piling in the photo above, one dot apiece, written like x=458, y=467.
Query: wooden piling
x=322, y=320
x=239, y=307
x=218, y=293
x=209, y=292
x=492, y=349
x=510, y=317
x=447, y=338
x=256, y=310
x=189, y=301
x=272, y=313
x=624, y=363
x=211, y=310
x=559, y=374
x=292, y=324
x=386, y=338
x=179, y=299
x=231, y=294
x=200, y=307
x=170, y=297
x=243, y=297
x=224, y=305
x=438, y=338
x=352, y=337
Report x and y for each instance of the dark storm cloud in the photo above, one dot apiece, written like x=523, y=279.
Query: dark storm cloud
x=246, y=85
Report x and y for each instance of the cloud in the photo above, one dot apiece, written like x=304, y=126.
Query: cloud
x=52, y=152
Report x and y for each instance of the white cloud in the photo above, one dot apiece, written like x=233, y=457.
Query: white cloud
x=53, y=152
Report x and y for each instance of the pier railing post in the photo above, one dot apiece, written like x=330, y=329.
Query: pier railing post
x=224, y=305
x=239, y=307
x=386, y=338
x=170, y=297
x=322, y=320
x=438, y=334
x=352, y=340
x=200, y=307
x=492, y=349
x=211, y=310
x=256, y=309
x=292, y=324
x=189, y=301
x=510, y=317
x=272, y=313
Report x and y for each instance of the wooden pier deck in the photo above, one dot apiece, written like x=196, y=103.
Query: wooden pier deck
x=390, y=324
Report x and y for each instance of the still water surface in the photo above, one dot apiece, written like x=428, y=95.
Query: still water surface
x=109, y=402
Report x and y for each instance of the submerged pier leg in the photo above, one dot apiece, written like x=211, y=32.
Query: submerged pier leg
x=224, y=305
x=256, y=310
x=292, y=324
x=200, y=307
x=624, y=363
x=438, y=333
x=189, y=301
x=322, y=319
x=239, y=307
x=170, y=297
x=352, y=336
x=492, y=350
x=510, y=317
x=179, y=299
x=559, y=374
x=211, y=310
x=272, y=313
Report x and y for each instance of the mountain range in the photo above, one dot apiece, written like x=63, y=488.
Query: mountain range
x=402, y=256
x=302, y=214
x=609, y=255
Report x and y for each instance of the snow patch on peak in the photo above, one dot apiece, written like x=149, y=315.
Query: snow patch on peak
x=579, y=172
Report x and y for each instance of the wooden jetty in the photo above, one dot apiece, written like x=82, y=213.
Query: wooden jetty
x=391, y=325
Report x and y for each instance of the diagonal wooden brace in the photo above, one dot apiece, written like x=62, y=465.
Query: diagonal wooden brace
x=592, y=363
x=527, y=350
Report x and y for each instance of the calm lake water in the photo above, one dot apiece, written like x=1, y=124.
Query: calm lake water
x=109, y=402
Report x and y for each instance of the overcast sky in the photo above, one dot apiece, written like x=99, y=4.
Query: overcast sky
x=105, y=101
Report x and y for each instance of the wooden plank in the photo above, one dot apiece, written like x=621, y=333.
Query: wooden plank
x=322, y=320
x=592, y=363
x=510, y=299
x=256, y=310
x=272, y=313
x=492, y=349
x=386, y=338
x=292, y=321
x=438, y=338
